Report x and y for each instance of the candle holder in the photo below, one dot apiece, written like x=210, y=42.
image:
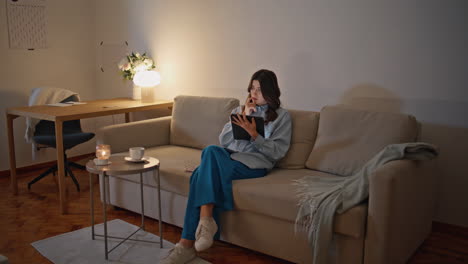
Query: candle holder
x=103, y=153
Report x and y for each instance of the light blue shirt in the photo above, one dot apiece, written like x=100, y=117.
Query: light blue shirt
x=263, y=152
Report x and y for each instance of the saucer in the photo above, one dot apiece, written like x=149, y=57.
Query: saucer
x=135, y=160
x=99, y=162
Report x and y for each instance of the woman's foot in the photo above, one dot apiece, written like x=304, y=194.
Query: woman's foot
x=206, y=230
x=179, y=255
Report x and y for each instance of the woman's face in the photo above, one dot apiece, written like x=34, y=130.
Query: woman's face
x=256, y=93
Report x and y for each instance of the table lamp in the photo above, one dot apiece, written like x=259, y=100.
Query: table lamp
x=147, y=80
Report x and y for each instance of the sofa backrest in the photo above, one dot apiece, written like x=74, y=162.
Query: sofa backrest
x=347, y=138
x=197, y=121
x=304, y=132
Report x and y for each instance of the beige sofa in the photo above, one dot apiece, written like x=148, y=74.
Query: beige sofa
x=337, y=141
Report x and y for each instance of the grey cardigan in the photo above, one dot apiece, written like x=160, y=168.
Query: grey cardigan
x=263, y=152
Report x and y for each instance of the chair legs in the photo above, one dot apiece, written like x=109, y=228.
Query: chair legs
x=67, y=169
x=54, y=169
x=76, y=165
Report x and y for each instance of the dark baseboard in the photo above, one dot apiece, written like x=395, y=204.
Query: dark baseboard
x=39, y=166
x=449, y=228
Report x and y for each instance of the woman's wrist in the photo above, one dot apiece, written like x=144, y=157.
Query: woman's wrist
x=254, y=135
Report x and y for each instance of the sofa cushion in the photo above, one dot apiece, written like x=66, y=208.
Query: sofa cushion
x=275, y=196
x=172, y=159
x=347, y=138
x=197, y=121
x=304, y=132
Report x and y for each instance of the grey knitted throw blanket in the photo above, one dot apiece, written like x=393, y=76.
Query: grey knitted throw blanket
x=321, y=197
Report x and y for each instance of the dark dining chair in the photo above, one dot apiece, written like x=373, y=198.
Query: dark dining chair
x=44, y=137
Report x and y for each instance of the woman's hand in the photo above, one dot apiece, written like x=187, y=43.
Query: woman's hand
x=250, y=127
x=249, y=106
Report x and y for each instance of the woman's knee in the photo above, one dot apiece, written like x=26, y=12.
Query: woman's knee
x=212, y=149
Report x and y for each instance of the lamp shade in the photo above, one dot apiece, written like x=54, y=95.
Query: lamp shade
x=147, y=78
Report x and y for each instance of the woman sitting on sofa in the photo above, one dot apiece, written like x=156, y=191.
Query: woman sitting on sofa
x=211, y=182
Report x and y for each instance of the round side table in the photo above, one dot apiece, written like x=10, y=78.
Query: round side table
x=118, y=166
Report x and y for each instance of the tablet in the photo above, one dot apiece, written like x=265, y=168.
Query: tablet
x=240, y=133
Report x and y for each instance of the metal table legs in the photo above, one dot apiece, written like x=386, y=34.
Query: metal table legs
x=104, y=211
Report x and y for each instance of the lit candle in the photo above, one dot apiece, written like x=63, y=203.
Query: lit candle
x=103, y=151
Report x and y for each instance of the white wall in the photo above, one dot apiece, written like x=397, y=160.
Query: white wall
x=401, y=56
x=68, y=62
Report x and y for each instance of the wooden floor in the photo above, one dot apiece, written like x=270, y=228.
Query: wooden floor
x=34, y=215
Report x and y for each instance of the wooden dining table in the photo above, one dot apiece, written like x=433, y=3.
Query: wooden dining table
x=57, y=114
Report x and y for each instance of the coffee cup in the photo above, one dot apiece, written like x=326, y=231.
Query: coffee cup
x=136, y=153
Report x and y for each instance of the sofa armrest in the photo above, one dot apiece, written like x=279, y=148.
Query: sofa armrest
x=146, y=133
x=401, y=206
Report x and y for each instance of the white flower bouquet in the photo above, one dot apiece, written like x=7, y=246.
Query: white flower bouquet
x=134, y=63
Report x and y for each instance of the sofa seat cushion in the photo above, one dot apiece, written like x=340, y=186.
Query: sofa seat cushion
x=172, y=159
x=274, y=195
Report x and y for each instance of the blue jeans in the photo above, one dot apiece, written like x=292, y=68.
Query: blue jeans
x=211, y=183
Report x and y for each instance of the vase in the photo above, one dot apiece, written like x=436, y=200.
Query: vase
x=136, y=92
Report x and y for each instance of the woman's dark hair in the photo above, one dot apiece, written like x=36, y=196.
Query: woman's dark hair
x=270, y=91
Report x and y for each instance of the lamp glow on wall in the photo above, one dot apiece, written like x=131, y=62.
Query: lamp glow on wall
x=147, y=80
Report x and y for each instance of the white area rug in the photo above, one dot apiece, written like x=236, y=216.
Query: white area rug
x=78, y=247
